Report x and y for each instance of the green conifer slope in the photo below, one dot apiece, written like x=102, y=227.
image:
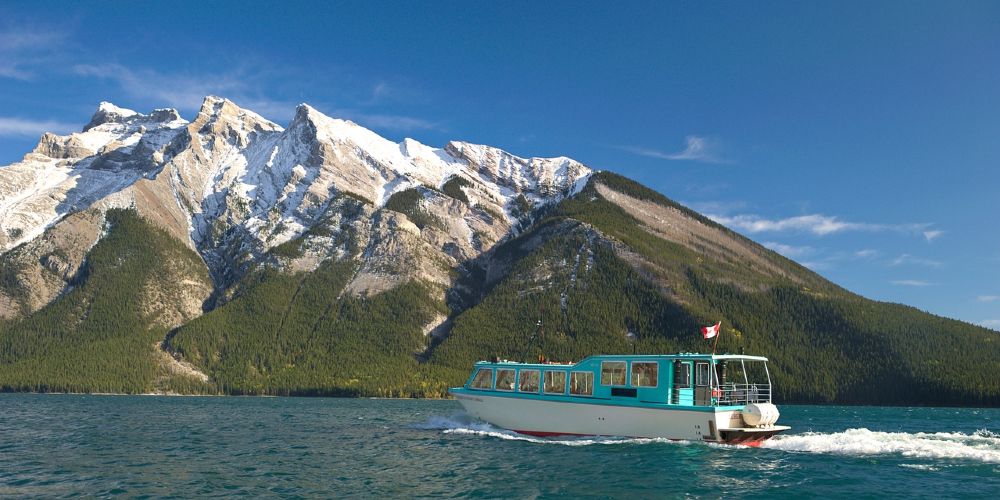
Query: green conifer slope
x=584, y=276
x=826, y=344
x=102, y=334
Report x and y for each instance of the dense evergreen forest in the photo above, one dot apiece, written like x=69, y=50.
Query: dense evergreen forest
x=297, y=335
x=583, y=277
x=100, y=335
x=826, y=344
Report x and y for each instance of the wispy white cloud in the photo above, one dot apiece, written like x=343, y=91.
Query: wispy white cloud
x=393, y=91
x=696, y=148
x=789, y=251
x=183, y=91
x=911, y=283
x=23, y=49
x=907, y=259
x=716, y=207
x=932, y=235
x=818, y=265
x=186, y=92
x=988, y=298
x=816, y=259
x=817, y=224
x=993, y=324
x=386, y=121
x=382, y=89
x=29, y=51
x=867, y=253
x=19, y=127
x=272, y=109
x=13, y=40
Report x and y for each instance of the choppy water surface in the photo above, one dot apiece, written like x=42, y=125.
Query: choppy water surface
x=65, y=445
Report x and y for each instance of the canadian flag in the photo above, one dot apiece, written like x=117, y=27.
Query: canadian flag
x=711, y=331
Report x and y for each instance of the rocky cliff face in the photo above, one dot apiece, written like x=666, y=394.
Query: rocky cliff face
x=233, y=186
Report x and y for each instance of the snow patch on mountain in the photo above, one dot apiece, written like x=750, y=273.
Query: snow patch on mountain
x=241, y=184
x=65, y=174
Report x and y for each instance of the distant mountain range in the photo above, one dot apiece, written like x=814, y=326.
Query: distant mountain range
x=231, y=255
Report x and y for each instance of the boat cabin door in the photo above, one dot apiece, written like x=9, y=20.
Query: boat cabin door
x=702, y=384
x=683, y=394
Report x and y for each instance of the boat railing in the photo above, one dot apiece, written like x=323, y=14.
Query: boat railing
x=740, y=394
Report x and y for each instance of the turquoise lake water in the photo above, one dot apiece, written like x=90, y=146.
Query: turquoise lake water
x=75, y=445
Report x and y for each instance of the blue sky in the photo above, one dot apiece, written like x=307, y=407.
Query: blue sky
x=859, y=138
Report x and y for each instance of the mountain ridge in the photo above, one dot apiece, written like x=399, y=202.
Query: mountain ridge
x=320, y=258
x=231, y=184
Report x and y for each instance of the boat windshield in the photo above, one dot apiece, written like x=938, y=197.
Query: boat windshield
x=742, y=381
x=483, y=379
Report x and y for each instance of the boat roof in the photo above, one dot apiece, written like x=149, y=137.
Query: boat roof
x=616, y=357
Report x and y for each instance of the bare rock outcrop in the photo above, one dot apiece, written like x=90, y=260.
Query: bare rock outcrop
x=233, y=186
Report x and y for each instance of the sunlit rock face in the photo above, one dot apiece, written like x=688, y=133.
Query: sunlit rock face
x=233, y=186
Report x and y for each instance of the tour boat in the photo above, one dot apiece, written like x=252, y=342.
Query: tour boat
x=724, y=398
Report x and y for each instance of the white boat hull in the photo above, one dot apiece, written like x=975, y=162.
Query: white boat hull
x=550, y=418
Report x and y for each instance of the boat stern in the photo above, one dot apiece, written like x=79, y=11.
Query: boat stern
x=750, y=425
x=750, y=436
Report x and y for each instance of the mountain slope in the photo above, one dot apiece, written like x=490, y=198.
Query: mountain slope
x=104, y=333
x=232, y=255
x=592, y=276
x=827, y=344
x=233, y=185
x=287, y=331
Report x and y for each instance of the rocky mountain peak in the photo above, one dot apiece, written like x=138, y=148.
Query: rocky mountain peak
x=111, y=129
x=337, y=130
x=233, y=185
x=217, y=114
x=109, y=113
x=165, y=115
x=223, y=126
x=303, y=111
x=304, y=121
x=543, y=176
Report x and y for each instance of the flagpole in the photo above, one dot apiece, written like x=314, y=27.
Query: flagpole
x=717, y=335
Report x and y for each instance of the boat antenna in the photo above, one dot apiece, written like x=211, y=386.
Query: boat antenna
x=536, y=335
x=717, y=335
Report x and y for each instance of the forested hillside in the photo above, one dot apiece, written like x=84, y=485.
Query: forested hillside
x=826, y=344
x=296, y=334
x=103, y=335
x=614, y=268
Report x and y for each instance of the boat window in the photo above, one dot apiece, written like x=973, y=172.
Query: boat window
x=529, y=381
x=483, y=379
x=701, y=374
x=644, y=374
x=505, y=379
x=581, y=383
x=613, y=373
x=555, y=382
x=682, y=374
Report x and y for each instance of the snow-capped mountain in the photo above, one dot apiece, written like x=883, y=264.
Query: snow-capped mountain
x=233, y=185
x=320, y=258
x=65, y=174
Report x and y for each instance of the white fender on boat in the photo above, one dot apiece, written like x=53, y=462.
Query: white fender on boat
x=760, y=414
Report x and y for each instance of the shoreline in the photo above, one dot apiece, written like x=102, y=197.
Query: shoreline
x=154, y=394
x=165, y=394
